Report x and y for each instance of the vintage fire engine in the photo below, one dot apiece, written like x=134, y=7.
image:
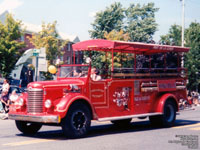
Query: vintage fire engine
x=150, y=85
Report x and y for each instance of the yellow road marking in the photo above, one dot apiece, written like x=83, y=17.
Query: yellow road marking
x=28, y=142
x=197, y=128
x=185, y=126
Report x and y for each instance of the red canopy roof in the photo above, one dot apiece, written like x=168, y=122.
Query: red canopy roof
x=126, y=47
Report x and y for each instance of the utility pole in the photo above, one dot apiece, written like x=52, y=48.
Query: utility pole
x=183, y=28
x=183, y=22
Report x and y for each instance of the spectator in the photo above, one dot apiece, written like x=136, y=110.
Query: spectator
x=5, y=101
x=5, y=86
x=4, y=95
x=13, y=96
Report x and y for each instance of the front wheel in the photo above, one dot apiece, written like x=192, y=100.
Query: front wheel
x=28, y=128
x=168, y=118
x=77, y=121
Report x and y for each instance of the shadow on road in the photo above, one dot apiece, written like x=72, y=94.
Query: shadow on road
x=108, y=129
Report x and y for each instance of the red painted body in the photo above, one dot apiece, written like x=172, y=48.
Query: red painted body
x=113, y=98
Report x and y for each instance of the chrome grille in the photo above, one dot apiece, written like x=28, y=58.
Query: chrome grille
x=35, y=101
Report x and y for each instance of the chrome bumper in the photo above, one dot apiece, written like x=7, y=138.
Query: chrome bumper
x=30, y=118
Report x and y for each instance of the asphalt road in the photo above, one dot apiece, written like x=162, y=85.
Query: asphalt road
x=185, y=135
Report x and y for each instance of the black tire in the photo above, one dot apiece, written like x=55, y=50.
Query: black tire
x=123, y=122
x=28, y=128
x=77, y=121
x=168, y=118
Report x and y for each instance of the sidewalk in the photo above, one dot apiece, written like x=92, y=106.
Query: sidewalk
x=3, y=116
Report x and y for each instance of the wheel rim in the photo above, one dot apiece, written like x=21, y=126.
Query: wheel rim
x=79, y=120
x=169, y=114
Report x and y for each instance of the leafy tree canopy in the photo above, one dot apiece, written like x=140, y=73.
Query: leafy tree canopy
x=141, y=23
x=136, y=20
x=10, y=45
x=49, y=39
x=173, y=37
x=107, y=20
x=192, y=58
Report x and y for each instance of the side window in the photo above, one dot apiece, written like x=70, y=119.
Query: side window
x=143, y=63
x=158, y=61
x=172, y=60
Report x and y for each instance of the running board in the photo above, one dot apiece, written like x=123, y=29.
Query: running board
x=128, y=117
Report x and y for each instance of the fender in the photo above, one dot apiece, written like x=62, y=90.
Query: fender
x=161, y=101
x=65, y=102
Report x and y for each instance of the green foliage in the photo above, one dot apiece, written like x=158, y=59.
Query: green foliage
x=136, y=23
x=107, y=20
x=192, y=60
x=9, y=45
x=48, y=38
x=173, y=37
x=120, y=59
x=141, y=24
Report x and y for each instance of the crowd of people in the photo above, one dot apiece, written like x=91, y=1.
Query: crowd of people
x=194, y=98
x=6, y=99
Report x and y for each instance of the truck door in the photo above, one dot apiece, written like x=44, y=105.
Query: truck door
x=98, y=94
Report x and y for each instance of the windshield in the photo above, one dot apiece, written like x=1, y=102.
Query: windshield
x=73, y=71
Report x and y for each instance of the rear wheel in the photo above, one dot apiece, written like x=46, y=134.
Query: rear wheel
x=77, y=121
x=168, y=118
x=28, y=128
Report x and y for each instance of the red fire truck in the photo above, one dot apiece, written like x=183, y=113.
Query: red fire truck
x=136, y=80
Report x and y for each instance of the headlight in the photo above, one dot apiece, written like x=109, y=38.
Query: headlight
x=47, y=103
x=21, y=102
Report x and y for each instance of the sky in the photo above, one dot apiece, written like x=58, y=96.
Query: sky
x=74, y=17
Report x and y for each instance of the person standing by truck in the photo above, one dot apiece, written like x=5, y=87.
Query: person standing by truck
x=4, y=96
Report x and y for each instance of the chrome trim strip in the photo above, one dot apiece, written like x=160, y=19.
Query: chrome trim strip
x=34, y=89
x=128, y=117
x=41, y=119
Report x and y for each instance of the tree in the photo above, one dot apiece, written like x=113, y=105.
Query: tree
x=141, y=23
x=138, y=21
x=9, y=45
x=48, y=38
x=192, y=60
x=120, y=59
x=106, y=21
x=173, y=37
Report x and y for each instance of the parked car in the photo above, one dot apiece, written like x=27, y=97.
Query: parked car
x=15, y=82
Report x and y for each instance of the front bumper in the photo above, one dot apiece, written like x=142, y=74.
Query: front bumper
x=30, y=118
